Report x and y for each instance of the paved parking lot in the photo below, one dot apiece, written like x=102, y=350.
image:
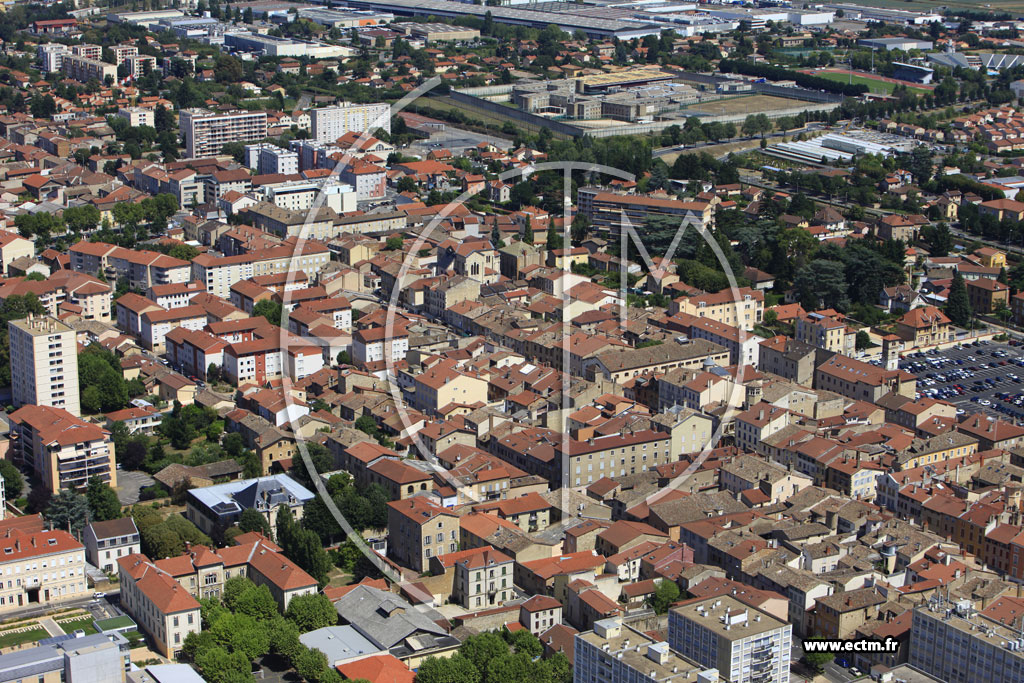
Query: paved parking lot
x=129, y=484
x=977, y=377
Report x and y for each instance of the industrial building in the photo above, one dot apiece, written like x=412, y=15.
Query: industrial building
x=570, y=20
x=272, y=46
x=341, y=18
x=905, y=44
x=842, y=147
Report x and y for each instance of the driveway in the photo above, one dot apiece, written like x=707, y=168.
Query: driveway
x=129, y=484
x=276, y=669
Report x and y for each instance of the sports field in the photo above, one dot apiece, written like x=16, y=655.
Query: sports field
x=875, y=84
x=750, y=104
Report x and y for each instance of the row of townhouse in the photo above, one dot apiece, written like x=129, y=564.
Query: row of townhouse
x=162, y=595
x=142, y=269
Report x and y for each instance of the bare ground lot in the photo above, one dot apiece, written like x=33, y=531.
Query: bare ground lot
x=749, y=104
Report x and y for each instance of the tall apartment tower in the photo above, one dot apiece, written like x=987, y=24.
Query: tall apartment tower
x=744, y=644
x=44, y=363
x=330, y=123
x=206, y=132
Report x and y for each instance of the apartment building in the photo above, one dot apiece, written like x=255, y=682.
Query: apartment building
x=287, y=222
x=137, y=116
x=206, y=132
x=155, y=325
x=158, y=604
x=368, y=179
x=194, y=352
x=863, y=381
x=262, y=359
x=744, y=347
x=265, y=158
x=956, y=643
x=746, y=645
x=109, y=541
x=219, y=273
x=139, y=65
x=609, y=212
x=44, y=363
x=13, y=247
x=482, y=577
x=300, y=195
x=40, y=568
x=418, y=530
x=614, y=455
x=620, y=365
x=84, y=69
x=744, y=309
x=123, y=52
x=615, y=652
x=330, y=123
x=51, y=56
x=825, y=332
x=203, y=571
x=60, y=449
x=375, y=345
x=143, y=269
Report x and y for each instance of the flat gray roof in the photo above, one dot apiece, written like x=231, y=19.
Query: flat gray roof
x=513, y=15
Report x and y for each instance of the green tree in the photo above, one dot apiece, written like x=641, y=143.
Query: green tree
x=102, y=500
x=310, y=664
x=454, y=669
x=528, y=231
x=481, y=649
x=68, y=511
x=817, y=660
x=666, y=593
x=958, y=306
x=822, y=284
x=252, y=520
x=302, y=546
x=83, y=218
x=863, y=340
x=14, y=482
x=269, y=309
x=554, y=240
x=102, y=384
x=310, y=612
x=579, y=228
x=220, y=666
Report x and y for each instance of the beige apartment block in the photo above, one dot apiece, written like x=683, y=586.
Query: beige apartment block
x=44, y=363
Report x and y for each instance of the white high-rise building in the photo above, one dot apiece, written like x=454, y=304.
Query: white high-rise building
x=206, y=132
x=51, y=55
x=330, y=123
x=44, y=363
x=746, y=645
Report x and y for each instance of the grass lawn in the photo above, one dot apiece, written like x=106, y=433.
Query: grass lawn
x=875, y=86
x=29, y=636
x=116, y=622
x=85, y=624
